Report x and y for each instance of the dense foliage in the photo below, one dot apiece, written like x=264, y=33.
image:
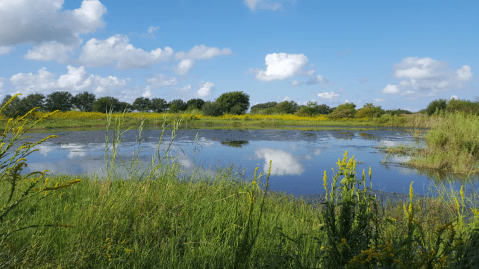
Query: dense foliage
x=235, y=103
x=142, y=104
x=195, y=104
x=105, y=104
x=212, y=109
x=312, y=109
x=159, y=105
x=84, y=101
x=369, y=111
x=59, y=101
x=436, y=106
x=465, y=106
x=287, y=107
x=346, y=110
x=261, y=108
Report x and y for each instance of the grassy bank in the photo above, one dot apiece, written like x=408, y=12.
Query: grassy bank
x=153, y=218
x=94, y=120
x=452, y=146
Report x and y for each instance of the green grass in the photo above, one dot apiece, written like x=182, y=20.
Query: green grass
x=154, y=218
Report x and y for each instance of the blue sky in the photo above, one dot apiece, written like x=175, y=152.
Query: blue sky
x=396, y=54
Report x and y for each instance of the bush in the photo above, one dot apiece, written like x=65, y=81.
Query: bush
x=262, y=107
x=212, y=109
x=287, y=107
x=464, y=106
x=346, y=110
x=179, y=104
x=369, y=111
x=235, y=103
x=312, y=109
x=397, y=112
x=436, y=105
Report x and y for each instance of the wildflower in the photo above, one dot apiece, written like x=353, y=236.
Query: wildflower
x=128, y=250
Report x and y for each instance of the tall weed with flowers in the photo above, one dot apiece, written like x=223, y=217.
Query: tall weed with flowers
x=17, y=189
x=349, y=215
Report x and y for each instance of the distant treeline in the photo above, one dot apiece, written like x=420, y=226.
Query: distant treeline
x=235, y=103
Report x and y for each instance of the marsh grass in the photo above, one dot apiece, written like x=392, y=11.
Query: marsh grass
x=153, y=218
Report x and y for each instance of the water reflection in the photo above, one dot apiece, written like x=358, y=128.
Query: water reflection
x=299, y=158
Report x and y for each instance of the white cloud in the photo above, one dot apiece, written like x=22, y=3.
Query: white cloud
x=184, y=90
x=5, y=49
x=201, y=52
x=184, y=66
x=283, y=163
x=379, y=100
x=153, y=29
x=328, y=95
x=1, y=83
x=161, y=80
x=280, y=66
x=391, y=89
x=76, y=80
x=44, y=21
x=426, y=76
x=206, y=89
x=296, y=83
x=51, y=51
x=99, y=53
x=147, y=93
x=262, y=4
x=464, y=74
x=453, y=97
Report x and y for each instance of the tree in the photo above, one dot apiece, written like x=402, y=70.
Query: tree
x=369, y=111
x=235, y=103
x=195, y=104
x=142, y=104
x=287, y=107
x=105, y=104
x=178, y=105
x=312, y=108
x=346, y=110
x=59, y=101
x=212, y=109
x=84, y=101
x=123, y=106
x=436, y=105
x=159, y=105
x=260, y=108
x=12, y=110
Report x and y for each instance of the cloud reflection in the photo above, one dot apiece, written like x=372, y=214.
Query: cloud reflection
x=283, y=162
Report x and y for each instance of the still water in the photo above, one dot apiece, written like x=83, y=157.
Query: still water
x=299, y=158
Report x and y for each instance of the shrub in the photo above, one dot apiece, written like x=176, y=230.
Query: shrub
x=212, y=109
x=436, y=106
x=235, y=103
x=261, y=107
x=346, y=110
x=465, y=106
x=369, y=111
x=287, y=107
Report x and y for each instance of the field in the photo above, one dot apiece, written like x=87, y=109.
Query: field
x=155, y=219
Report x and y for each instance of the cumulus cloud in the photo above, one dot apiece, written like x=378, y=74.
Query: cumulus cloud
x=391, y=89
x=44, y=23
x=201, y=52
x=116, y=49
x=426, y=76
x=51, y=51
x=379, y=100
x=184, y=66
x=328, y=95
x=206, y=89
x=283, y=163
x=262, y=4
x=453, y=97
x=280, y=66
x=161, y=80
x=5, y=49
x=76, y=80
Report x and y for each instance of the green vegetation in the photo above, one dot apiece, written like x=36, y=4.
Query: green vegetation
x=155, y=218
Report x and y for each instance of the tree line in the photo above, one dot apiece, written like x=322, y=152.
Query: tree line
x=235, y=103
x=232, y=103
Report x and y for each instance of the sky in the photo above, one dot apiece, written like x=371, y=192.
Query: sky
x=394, y=54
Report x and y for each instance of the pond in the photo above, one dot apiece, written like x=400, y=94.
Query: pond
x=299, y=158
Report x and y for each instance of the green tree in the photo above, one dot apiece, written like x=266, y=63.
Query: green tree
x=123, y=106
x=212, y=109
x=436, y=105
x=179, y=104
x=13, y=109
x=142, y=104
x=195, y=104
x=312, y=109
x=105, y=104
x=59, y=101
x=287, y=107
x=370, y=111
x=346, y=110
x=235, y=103
x=261, y=107
x=84, y=101
x=159, y=105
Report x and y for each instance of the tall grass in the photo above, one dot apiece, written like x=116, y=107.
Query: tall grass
x=157, y=219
